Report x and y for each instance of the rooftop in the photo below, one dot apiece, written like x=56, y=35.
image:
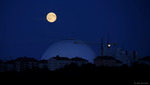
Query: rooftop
x=66, y=58
x=107, y=58
x=147, y=58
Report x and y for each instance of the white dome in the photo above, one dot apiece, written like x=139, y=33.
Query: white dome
x=70, y=48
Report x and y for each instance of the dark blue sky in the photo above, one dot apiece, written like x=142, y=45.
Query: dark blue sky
x=24, y=30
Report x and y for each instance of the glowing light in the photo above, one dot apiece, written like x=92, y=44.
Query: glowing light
x=51, y=17
x=108, y=45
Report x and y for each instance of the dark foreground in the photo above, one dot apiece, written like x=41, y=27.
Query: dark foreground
x=137, y=75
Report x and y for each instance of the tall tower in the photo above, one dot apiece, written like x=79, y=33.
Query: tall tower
x=108, y=43
x=102, y=47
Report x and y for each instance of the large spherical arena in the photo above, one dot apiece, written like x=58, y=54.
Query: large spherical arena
x=70, y=48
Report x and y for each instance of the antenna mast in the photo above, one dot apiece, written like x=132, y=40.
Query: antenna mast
x=102, y=48
x=108, y=45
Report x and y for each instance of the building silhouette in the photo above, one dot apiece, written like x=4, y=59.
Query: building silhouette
x=106, y=61
x=2, y=66
x=109, y=49
x=10, y=65
x=144, y=60
x=79, y=61
x=43, y=64
x=57, y=62
x=24, y=63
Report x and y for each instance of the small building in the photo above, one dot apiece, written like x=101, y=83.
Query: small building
x=43, y=64
x=57, y=62
x=24, y=63
x=144, y=60
x=120, y=54
x=10, y=65
x=106, y=61
x=2, y=66
x=79, y=61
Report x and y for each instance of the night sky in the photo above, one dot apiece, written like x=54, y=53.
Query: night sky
x=24, y=30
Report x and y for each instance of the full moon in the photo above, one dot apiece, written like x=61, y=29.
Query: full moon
x=51, y=17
